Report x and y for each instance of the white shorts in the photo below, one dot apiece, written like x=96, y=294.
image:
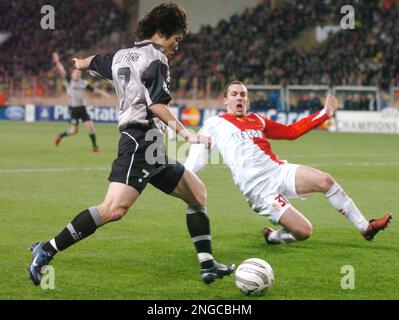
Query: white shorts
x=271, y=199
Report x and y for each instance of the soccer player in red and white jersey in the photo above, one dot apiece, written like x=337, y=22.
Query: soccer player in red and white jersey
x=268, y=182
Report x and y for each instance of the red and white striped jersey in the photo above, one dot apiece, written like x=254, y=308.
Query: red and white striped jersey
x=244, y=146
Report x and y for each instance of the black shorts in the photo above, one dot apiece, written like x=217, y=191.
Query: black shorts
x=140, y=162
x=78, y=113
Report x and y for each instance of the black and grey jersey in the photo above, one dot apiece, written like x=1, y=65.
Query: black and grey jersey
x=75, y=90
x=141, y=77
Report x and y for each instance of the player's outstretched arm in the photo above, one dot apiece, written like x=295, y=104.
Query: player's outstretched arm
x=82, y=64
x=59, y=65
x=279, y=131
x=198, y=155
x=162, y=112
x=330, y=105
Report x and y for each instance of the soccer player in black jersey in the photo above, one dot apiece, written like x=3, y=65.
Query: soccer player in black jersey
x=140, y=76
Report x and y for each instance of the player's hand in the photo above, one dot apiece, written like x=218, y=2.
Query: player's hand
x=196, y=139
x=331, y=105
x=56, y=57
x=79, y=63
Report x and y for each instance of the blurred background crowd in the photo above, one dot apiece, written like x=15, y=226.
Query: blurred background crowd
x=268, y=44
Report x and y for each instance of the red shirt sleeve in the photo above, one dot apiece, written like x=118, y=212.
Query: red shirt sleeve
x=278, y=131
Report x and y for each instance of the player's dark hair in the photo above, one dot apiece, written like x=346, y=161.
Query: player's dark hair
x=226, y=88
x=167, y=18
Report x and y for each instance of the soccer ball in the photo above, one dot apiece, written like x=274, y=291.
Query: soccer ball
x=254, y=277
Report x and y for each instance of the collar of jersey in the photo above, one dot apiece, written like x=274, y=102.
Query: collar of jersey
x=146, y=42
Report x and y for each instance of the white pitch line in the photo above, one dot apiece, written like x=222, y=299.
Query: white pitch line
x=56, y=170
x=353, y=164
x=339, y=155
x=39, y=170
x=348, y=164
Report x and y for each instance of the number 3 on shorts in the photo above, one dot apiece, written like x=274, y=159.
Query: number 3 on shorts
x=281, y=200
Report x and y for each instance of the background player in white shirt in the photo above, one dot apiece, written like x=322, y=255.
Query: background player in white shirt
x=76, y=87
x=265, y=180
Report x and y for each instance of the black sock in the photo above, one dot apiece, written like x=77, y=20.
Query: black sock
x=65, y=134
x=82, y=226
x=93, y=139
x=49, y=248
x=200, y=231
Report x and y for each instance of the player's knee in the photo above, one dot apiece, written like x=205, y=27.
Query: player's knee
x=326, y=182
x=200, y=198
x=305, y=232
x=118, y=214
x=74, y=130
x=110, y=212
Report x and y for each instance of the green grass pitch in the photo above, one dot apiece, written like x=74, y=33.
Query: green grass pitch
x=149, y=254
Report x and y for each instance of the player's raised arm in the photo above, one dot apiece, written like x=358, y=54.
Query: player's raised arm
x=59, y=65
x=278, y=131
x=82, y=64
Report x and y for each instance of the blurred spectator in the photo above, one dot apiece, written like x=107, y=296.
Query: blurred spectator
x=3, y=99
x=349, y=103
x=260, y=104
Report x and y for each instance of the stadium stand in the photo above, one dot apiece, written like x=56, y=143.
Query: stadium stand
x=78, y=27
x=363, y=56
x=255, y=46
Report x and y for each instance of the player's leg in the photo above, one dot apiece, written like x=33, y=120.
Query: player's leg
x=295, y=228
x=92, y=134
x=123, y=191
x=118, y=200
x=74, y=128
x=188, y=187
x=309, y=180
x=88, y=123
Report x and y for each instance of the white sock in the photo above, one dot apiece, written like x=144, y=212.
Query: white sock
x=53, y=244
x=203, y=257
x=340, y=201
x=281, y=236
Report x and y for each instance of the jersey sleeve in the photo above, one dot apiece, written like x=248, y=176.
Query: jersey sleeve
x=102, y=66
x=278, y=131
x=198, y=155
x=155, y=79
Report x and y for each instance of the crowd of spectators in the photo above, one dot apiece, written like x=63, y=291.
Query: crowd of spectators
x=79, y=24
x=363, y=56
x=239, y=47
x=251, y=47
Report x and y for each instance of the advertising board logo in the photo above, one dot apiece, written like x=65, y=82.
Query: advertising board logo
x=390, y=113
x=190, y=116
x=15, y=113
